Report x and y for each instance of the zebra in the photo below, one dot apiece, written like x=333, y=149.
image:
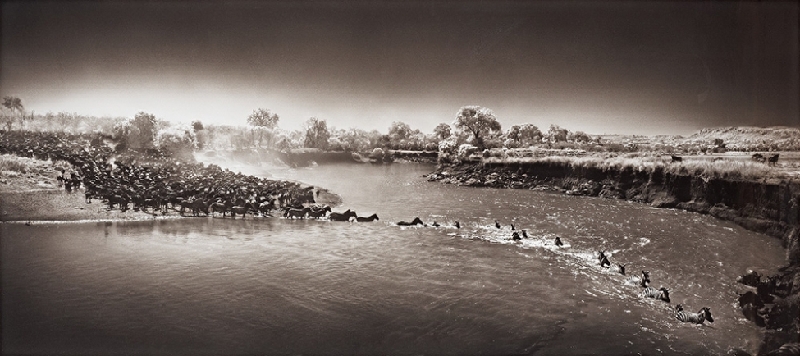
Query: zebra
x=660, y=294
x=643, y=281
x=697, y=318
x=621, y=268
x=603, y=259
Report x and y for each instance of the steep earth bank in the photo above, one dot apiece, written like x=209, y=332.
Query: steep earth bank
x=771, y=207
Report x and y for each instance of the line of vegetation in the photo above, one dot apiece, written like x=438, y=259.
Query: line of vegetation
x=473, y=128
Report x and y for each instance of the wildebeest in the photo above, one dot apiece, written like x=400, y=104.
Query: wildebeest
x=346, y=216
x=697, y=318
x=515, y=236
x=758, y=157
x=558, y=242
x=773, y=160
x=318, y=212
x=660, y=294
x=293, y=213
x=416, y=221
x=372, y=217
x=676, y=158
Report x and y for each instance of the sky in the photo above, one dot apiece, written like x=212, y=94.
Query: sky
x=645, y=68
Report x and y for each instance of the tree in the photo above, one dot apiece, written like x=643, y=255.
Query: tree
x=143, y=130
x=556, y=134
x=579, y=137
x=262, y=119
x=197, y=125
x=442, y=131
x=398, y=133
x=15, y=105
x=317, y=134
x=479, y=121
x=529, y=134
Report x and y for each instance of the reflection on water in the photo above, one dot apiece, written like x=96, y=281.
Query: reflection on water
x=267, y=286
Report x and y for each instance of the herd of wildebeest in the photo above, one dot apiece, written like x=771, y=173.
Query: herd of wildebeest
x=153, y=182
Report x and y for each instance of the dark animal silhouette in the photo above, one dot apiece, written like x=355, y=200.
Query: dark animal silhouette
x=773, y=160
x=677, y=159
x=372, y=217
x=758, y=157
x=297, y=213
x=558, y=241
x=435, y=224
x=515, y=236
x=524, y=234
x=346, y=216
x=496, y=224
x=457, y=225
x=512, y=226
x=621, y=268
x=416, y=221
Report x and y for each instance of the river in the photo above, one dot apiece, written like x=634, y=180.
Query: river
x=276, y=286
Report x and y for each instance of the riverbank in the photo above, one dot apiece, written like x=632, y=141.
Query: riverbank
x=770, y=206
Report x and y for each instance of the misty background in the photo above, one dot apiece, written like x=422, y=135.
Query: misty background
x=601, y=67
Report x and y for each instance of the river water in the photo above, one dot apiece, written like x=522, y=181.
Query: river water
x=276, y=286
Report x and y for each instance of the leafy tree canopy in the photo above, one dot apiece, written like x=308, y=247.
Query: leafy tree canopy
x=478, y=120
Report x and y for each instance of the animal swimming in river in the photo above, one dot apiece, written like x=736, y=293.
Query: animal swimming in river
x=603, y=259
x=457, y=225
x=524, y=234
x=697, y=318
x=416, y=221
x=515, y=236
x=346, y=216
x=496, y=224
x=660, y=294
x=435, y=224
x=372, y=217
x=558, y=241
x=621, y=268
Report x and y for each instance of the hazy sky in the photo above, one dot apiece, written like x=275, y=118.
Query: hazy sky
x=601, y=67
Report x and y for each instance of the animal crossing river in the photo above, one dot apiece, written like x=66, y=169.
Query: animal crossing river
x=271, y=285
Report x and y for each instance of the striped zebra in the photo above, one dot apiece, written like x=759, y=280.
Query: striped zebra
x=643, y=281
x=697, y=318
x=661, y=293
